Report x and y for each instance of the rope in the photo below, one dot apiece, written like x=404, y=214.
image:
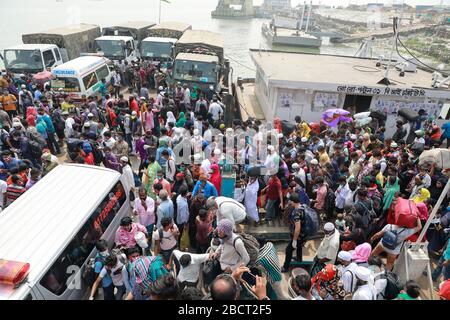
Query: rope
x=240, y=63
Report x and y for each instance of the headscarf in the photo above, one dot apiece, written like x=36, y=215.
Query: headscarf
x=148, y=270
x=362, y=253
x=181, y=120
x=216, y=178
x=170, y=118
x=225, y=226
x=390, y=191
x=327, y=274
x=423, y=195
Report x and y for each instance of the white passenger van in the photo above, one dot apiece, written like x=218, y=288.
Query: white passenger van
x=82, y=76
x=54, y=227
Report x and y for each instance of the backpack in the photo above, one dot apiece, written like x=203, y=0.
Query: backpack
x=89, y=275
x=390, y=238
x=251, y=245
x=58, y=122
x=311, y=225
x=393, y=285
x=304, y=198
x=368, y=215
x=330, y=202
x=36, y=144
x=98, y=155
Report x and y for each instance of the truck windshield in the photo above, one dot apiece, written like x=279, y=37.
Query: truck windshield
x=66, y=83
x=112, y=48
x=195, y=71
x=22, y=61
x=151, y=49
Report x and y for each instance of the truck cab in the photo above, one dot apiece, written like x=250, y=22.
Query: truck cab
x=118, y=48
x=157, y=50
x=31, y=58
x=197, y=69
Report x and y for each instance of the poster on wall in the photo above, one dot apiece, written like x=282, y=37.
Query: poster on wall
x=324, y=100
x=391, y=107
x=286, y=99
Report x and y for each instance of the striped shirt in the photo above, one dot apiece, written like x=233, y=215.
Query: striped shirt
x=13, y=192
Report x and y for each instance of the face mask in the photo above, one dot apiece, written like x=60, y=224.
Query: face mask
x=104, y=253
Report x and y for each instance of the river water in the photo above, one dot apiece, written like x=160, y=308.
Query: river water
x=24, y=16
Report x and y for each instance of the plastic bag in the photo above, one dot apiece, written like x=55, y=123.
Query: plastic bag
x=184, y=242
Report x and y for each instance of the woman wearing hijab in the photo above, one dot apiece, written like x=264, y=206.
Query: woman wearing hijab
x=361, y=254
x=181, y=120
x=250, y=199
x=170, y=119
x=423, y=195
x=216, y=178
x=392, y=187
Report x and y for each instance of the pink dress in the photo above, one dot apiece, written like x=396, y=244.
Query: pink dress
x=148, y=121
x=125, y=238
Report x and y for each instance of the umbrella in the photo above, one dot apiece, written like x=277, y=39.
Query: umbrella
x=43, y=76
x=332, y=117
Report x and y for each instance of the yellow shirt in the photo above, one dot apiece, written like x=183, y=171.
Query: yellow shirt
x=65, y=106
x=304, y=130
x=323, y=159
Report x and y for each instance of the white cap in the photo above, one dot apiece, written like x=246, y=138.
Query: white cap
x=134, y=113
x=196, y=132
x=271, y=148
x=328, y=226
x=161, y=88
x=304, y=139
x=87, y=124
x=280, y=135
x=345, y=256
x=295, y=166
x=124, y=159
x=363, y=273
x=90, y=115
x=314, y=162
x=394, y=145
x=142, y=98
x=217, y=151
x=230, y=130
x=353, y=137
x=23, y=86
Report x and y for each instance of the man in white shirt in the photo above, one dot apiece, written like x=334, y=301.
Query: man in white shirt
x=108, y=140
x=190, y=265
x=69, y=122
x=215, y=109
x=186, y=96
x=166, y=239
x=365, y=288
x=207, y=135
x=347, y=271
x=226, y=208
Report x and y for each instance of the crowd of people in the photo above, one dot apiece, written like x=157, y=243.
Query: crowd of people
x=182, y=239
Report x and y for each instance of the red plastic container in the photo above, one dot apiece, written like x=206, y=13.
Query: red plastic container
x=13, y=272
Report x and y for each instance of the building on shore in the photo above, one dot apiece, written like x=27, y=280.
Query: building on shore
x=291, y=84
x=234, y=9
